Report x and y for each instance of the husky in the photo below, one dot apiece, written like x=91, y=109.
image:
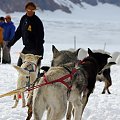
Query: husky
x=55, y=95
x=60, y=57
x=27, y=75
x=104, y=75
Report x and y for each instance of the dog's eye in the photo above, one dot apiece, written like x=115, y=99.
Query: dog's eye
x=27, y=77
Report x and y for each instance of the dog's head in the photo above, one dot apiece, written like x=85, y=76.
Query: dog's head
x=24, y=76
x=63, y=56
x=100, y=58
x=28, y=69
x=30, y=58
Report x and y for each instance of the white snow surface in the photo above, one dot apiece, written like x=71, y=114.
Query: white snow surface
x=91, y=27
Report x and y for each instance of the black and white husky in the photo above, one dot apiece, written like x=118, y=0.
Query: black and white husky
x=104, y=76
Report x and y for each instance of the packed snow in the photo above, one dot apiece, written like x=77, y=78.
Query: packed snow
x=91, y=27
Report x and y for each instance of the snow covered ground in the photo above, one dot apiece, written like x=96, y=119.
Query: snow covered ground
x=91, y=27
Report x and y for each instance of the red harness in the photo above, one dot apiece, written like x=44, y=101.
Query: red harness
x=61, y=80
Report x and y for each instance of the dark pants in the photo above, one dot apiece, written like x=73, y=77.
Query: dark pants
x=1, y=48
x=6, y=53
x=31, y=51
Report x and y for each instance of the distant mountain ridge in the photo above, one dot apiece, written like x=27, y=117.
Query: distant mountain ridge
x=10, y=6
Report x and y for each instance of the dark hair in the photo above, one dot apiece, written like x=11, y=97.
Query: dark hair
x=30, y=4
x=2, y=18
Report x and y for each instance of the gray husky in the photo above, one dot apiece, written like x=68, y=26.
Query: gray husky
x=60, y=57
x=76, y=88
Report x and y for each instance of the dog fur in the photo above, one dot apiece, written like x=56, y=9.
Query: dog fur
x=25, y=74
x=55, y=96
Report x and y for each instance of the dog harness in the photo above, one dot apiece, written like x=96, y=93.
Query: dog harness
x=61, y=80
x=31, y=67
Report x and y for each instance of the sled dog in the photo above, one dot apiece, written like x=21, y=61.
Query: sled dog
x=60, y=57
x=104, y=75
x=27, y=75
x=55, y=96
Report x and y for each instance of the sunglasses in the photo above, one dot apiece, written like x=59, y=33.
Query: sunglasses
x=29, y=10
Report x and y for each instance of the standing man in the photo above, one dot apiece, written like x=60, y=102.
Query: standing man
x=9, y=32
x=32, y=32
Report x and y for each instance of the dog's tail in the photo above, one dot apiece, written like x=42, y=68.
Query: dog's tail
x=107, y=66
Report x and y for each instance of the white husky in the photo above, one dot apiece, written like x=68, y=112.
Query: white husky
x=27, y=75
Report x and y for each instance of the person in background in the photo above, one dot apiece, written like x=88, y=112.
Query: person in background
x=32, y=32
x=9, y=32
x=2, y=21
x=1, y=36
x=2, y=26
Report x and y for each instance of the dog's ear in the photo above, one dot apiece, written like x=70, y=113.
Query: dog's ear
x=20, y=70
x=90, y=52
x=38, y=57
x=108, y=56
x=45, y=68
x=16, y=67
x=76, y=52
x=56, y=53
x=22, y=55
